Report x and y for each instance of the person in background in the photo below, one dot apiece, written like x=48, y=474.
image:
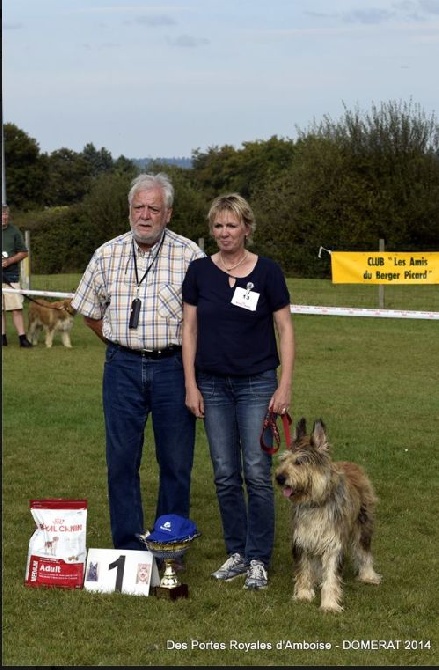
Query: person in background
x=130, y=296
x=14, y=251
x=234, y=303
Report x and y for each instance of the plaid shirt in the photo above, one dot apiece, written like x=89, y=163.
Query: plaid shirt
x=108, y=287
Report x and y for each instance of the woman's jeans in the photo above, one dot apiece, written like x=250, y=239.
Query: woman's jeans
x=234, y=412
x=133, y=388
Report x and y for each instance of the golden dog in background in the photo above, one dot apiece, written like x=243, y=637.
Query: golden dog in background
x=51, y=317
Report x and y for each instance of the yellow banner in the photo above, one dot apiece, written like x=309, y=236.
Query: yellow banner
x=384, y=267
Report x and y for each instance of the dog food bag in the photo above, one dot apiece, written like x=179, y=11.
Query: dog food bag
x=57, y=549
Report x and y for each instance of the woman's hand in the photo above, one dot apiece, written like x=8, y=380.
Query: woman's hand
x=280, y=402
x=195, y=402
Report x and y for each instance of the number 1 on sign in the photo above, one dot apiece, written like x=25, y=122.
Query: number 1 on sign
x=119, y=563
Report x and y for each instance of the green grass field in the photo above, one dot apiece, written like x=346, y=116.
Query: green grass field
x=375, y=384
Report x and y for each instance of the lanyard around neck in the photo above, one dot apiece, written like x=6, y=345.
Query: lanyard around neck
x=136, y=272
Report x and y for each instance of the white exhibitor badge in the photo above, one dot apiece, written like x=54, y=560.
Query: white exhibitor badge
x=121, y=570
x=245, y=298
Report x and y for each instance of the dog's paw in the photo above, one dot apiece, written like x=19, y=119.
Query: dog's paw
x=304, y=595
x=331, y=607
x=370, y=578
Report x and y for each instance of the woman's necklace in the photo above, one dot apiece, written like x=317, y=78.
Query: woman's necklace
x=241, y=260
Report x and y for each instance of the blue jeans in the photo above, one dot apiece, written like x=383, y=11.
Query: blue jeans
x=234, y=412
x=134, y=387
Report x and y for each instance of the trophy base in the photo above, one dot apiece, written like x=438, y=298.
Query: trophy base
x=180, y=591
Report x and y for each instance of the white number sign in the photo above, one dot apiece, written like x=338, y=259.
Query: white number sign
x=125, y=571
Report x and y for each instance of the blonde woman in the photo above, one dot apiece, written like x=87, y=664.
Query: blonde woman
x=234, y=304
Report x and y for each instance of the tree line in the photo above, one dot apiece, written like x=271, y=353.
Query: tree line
x=342, y=184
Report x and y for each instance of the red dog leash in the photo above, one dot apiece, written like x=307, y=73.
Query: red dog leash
x=270, y=423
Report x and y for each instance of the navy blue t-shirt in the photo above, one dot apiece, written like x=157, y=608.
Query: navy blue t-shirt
x=233, y=340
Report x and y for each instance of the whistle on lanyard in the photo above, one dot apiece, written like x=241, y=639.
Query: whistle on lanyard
x=135, y=311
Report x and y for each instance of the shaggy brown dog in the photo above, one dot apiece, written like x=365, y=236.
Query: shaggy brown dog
x=50, y=317
x=332, y=515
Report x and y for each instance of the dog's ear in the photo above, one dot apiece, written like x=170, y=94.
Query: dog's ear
x=319, y=436
x=300, y=429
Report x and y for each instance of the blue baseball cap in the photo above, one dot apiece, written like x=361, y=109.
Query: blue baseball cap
x=172, y=528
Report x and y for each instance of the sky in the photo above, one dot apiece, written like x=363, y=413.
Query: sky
x=165, y=79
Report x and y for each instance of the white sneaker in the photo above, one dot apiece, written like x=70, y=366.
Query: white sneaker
x=257, y=577
x=234, y=566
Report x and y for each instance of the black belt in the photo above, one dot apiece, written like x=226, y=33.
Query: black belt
x=154, y=354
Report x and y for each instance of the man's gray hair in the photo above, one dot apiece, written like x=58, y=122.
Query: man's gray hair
x=147, y=182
